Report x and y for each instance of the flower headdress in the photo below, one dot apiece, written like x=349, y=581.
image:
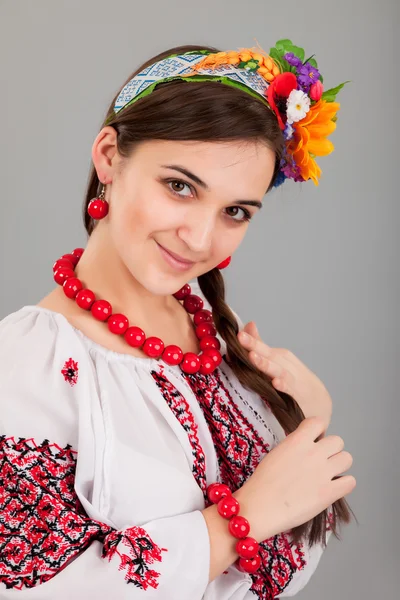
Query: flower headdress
x=289, y=85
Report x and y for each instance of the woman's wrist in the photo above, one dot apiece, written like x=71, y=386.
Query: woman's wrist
x=222, y=545
x=223, y=552
x=229, y=508
x=259, y=531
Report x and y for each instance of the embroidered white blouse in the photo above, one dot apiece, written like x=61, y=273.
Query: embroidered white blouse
x=104, y=463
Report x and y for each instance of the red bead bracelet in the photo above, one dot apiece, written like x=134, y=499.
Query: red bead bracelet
x=228, y=507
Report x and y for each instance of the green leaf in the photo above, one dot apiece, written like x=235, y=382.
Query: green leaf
x=282, y=45
x=273, y=52
x=297, y=51
x=330, y=95
x=252, y=65
x=312, y=61
x=281, y=62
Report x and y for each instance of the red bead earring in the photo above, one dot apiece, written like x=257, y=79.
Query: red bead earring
x=224, y=263
x=98, y=207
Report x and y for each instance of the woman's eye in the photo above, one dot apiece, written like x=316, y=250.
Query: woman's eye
x=247, y=214
x=178, y=186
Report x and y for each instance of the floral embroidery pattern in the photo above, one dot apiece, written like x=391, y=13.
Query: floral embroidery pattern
x=181, y=409
x=43, y=525
x=70, y=371
x=238, y=444
x=239, y=449
x=143, y=553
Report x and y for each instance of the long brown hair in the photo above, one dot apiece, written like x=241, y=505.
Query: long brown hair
x=210, y=111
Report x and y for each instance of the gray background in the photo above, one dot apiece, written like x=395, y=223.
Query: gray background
x=317, y=271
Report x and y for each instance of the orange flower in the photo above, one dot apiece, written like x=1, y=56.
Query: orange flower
x=309, y=138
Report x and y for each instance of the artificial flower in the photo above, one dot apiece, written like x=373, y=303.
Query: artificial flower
x=280, y=90
x=298, y=105
x=293, y=60
x=309, y=138
x=307, y=75
x=291, y=171
x=280, y=178
x=316, y=91
x=288, y=131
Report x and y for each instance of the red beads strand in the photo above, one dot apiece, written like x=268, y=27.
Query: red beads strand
x=239, y=526
x=118, y=324
x=135, y=337
x=101, y=310
x=72, y=286
x=228, y=507
x=205, y=362
x=85, y=299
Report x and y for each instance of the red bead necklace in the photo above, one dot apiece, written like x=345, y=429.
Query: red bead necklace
x=205, y=362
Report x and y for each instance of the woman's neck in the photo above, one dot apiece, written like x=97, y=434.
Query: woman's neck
x=101, y=270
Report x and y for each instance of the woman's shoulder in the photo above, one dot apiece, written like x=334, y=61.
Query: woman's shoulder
x=28, y=321
x=34, y=335
x=39, y=368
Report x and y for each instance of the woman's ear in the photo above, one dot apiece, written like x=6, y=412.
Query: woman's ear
x=104, y=153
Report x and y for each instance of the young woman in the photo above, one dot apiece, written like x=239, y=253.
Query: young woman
x=151, y=445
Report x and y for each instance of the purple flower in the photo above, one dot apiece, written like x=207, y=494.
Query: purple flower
x=292, y=171
x=288, y=131
x=293, y=60
x=307, y=75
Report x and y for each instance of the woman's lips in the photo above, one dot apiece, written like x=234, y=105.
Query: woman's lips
x=175, y=260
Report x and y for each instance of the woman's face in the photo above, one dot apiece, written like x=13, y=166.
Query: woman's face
x=194, y=199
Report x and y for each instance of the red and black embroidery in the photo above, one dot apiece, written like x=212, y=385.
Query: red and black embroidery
x=181, y=409
x=70, y=371
x=43, y=525
x=239, y=449
x=238, y=444
x=142, y=553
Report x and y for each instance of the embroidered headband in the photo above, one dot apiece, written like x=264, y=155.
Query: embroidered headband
x=286, y=83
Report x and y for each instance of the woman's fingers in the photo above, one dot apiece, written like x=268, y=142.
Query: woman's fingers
x=279, y=355
x=340, y=463
x=332, y=444
x=342, y=486
x=281, y=377
x=251, y=343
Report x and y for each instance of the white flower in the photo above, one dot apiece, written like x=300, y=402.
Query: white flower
x=298, y=105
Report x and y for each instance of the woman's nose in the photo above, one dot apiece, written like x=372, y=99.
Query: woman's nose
x=197, y=231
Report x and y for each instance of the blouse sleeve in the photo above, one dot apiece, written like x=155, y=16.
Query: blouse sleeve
x=49, y=545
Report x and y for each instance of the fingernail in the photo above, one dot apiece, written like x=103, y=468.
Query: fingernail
x=244, y=336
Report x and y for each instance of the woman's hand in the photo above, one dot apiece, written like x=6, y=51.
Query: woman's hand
x=296, y=480
x=288, y=374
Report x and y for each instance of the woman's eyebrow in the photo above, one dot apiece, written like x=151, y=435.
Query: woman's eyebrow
x=256, y=203
x=202, y=183
x=188, y=174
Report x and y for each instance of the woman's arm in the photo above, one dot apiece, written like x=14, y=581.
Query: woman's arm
x=47, y=540
x=54, y=542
